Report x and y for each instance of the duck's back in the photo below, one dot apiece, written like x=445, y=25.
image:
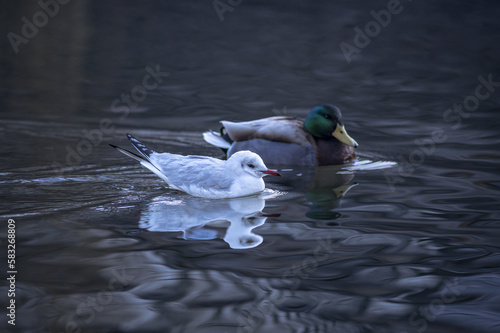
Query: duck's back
x=278, y=129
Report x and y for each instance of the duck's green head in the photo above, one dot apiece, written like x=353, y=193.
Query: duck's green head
x=325, y=121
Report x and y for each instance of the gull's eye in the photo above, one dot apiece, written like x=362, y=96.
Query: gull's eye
x=250, y=165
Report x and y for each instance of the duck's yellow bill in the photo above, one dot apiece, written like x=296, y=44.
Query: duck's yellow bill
x=342, y=190
x=341, y=134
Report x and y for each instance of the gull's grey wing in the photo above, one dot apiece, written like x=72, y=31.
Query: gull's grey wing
x=194, y=171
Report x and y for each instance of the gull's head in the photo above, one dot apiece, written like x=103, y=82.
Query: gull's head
x=251, y=163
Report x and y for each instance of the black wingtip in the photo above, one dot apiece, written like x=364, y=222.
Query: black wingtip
x=141, y=147
x=128, y=153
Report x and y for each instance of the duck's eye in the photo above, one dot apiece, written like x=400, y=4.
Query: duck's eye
x=250, y=165
x=327, y=116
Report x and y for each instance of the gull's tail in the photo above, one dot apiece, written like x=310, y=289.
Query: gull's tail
x=144, y=158
x=129, y=153
x=141, y=148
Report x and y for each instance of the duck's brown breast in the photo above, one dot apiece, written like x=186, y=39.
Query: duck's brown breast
x=332, y=151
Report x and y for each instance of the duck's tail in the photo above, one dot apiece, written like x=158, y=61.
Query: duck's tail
x=220, y=140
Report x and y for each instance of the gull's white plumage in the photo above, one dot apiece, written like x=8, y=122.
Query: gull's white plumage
x=204, y=176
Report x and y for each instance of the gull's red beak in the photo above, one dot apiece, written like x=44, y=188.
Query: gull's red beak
x=271, y=172
x=270, y=215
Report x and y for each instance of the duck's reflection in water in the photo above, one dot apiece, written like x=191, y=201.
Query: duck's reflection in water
x=322, y=188
x=202, y=219
x=326, y=190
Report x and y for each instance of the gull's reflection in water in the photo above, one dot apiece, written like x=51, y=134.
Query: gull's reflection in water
x=230, y=219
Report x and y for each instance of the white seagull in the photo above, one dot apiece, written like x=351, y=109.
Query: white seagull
x=204, y=176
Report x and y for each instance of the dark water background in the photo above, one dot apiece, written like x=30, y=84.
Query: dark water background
x=102, y=246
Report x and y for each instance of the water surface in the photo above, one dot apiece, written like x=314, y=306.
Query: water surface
x=405, y=239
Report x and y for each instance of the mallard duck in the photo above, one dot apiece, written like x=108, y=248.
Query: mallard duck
x=320, y=139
